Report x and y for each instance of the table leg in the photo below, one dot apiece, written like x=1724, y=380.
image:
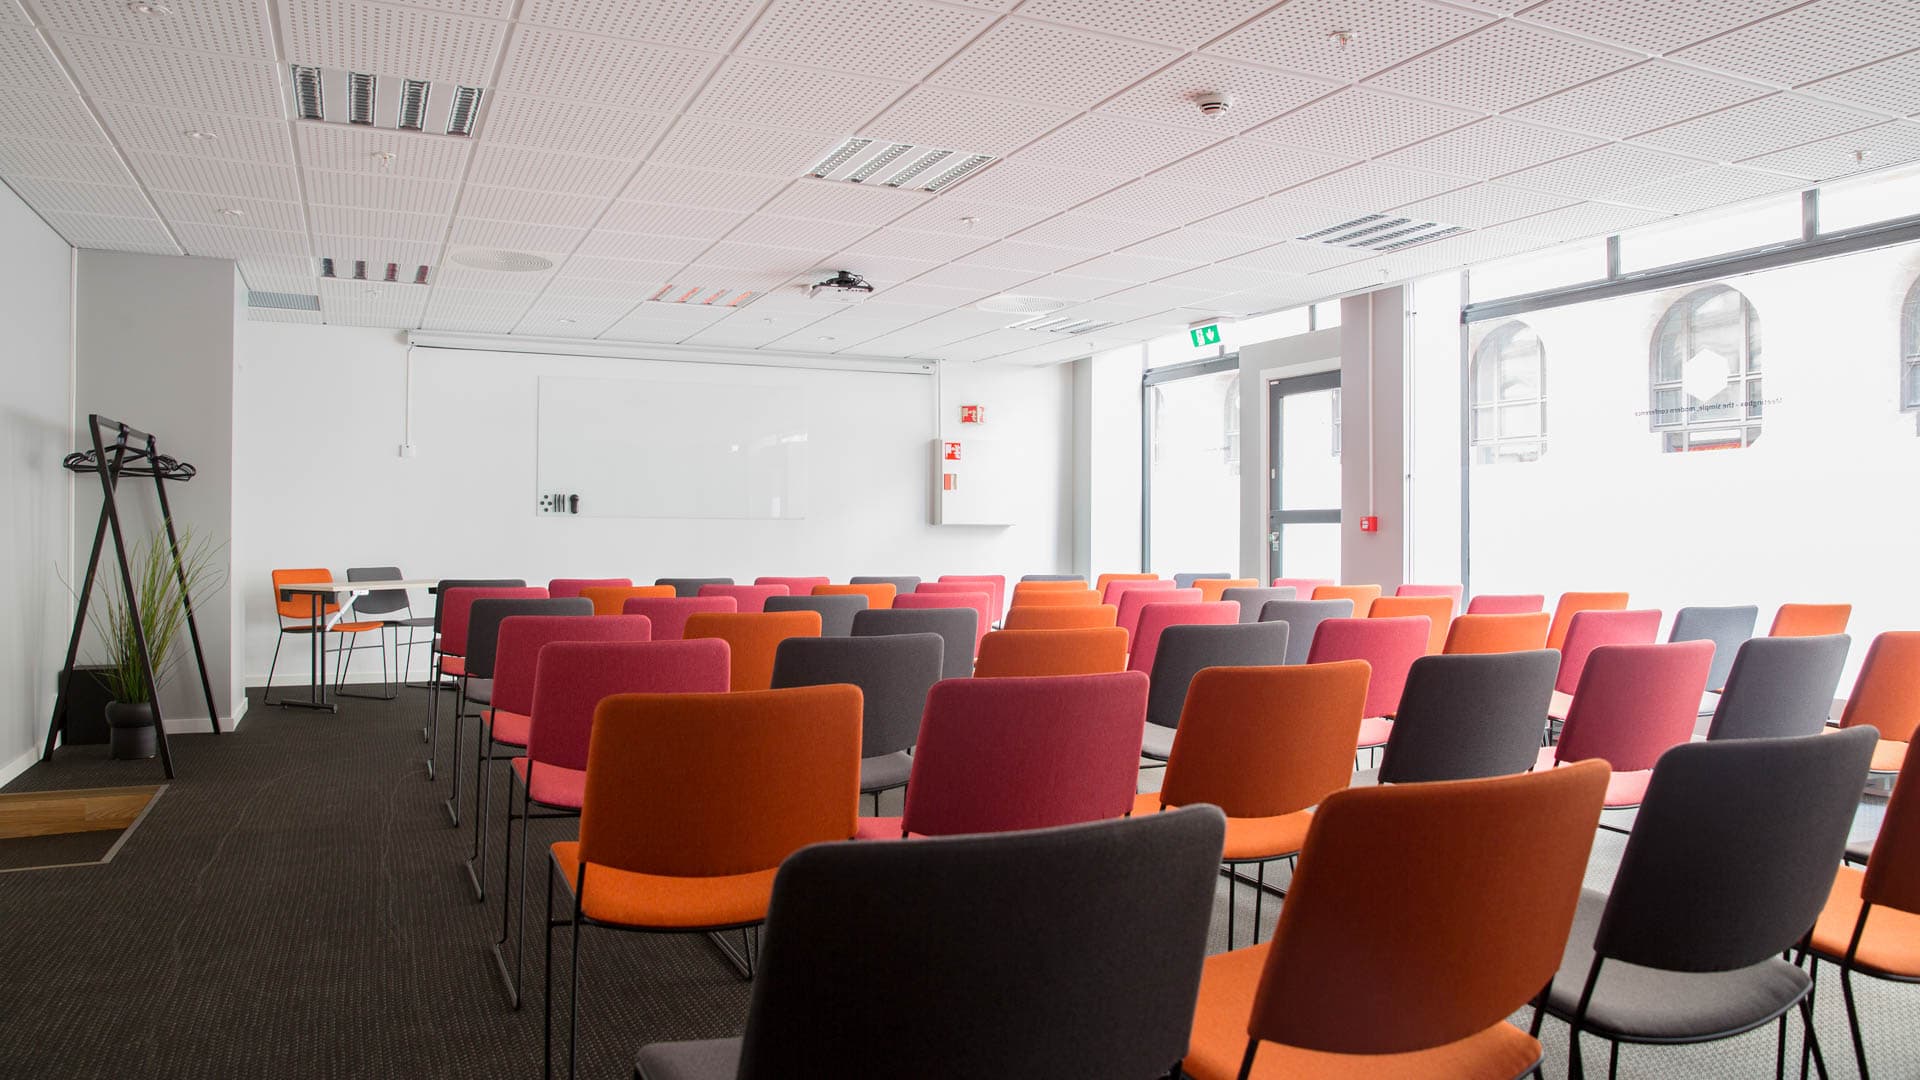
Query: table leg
x=317, y=664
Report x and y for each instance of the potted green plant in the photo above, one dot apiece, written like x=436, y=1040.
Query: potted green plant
x=160, y=600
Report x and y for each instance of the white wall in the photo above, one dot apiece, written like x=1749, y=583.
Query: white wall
x=319, y=482
x=1373, y=437
x=1108, y=441
x=36, y=538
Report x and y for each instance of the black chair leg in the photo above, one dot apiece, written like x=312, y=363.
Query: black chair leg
x=1813, y=1040
x=1853, y=1023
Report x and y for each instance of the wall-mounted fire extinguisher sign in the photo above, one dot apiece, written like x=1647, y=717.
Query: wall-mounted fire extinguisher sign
x=973, y=414
x=952, y=451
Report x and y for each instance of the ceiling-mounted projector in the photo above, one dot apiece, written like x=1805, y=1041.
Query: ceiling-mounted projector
x=844, y=287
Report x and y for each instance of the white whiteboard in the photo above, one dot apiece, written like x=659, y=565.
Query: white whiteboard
x=634, y=448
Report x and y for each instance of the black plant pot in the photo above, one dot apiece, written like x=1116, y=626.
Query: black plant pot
x=131, y=725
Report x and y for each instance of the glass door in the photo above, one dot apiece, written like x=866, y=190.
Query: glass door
x=1190, y=500
x=1303, y=527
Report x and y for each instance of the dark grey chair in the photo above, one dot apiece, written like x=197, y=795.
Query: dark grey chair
x=1780, y=687
x=1251, y=600
x=903, y=584
x=1051, y=577
x=1304, y=617
x=894, y=673
x=977, y=956
x=1470, y=716
x=1726, y=627
x=393, y=610
x=430, y=732
x=483, y=643
x=1183, y=652
x=836, y=612
x=690, y=586
x=1727, y=868
x=957, y=627
x=1185, y=581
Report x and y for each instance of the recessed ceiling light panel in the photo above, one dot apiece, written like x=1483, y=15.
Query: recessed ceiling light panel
x=513, y=262
x=899, y=165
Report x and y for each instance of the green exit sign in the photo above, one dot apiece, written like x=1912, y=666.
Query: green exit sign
x=1205, y=335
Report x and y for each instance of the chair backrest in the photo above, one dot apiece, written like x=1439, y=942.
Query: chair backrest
x=996, y=587
x=1780, y=687
x=1302, y=586
x=1810, y=620
x=1071, y=617
x=483, y=626
x=379, y=601
x=1573, y=603
x=1727, y=627
x=1119, y=587
x=690, y=586
x=1733, y=852
x=669, y=614
x=571, y=678
x=1133, y=601
x=1469, y=716
x=1506, y=604
x=1303, y=618
x=446, y=584
x=796, y=586
x=1032, y=653
x=1102, y=990
x=748, y=598
x=1190, y=581
x=300, y=605
x=1886, y=693
x=1050, y=577
x=1068, y=597
x=1451, y=592
x=836, y=612
x=954, y=625
x=1100, y=583
x=1422, y=914
x=1484, y=633
x=456, y=611
x=1438, y=610
x=1893, y=870
x=1001, y=754
x=1362, y=596
x=879, y=596
x=1264, y=741
x=1252, y=599
x=902, y=583
x=980, y=603
x=1156, y=618
x=1185, y=651
x=612, y=599
x=707, y=785
x=521, y=637
x=1213, y=589
x=894, y=673
x=1588, y=630
x=570, y=586
x=1389, y=645
x=1634, y=702
x=753, y=637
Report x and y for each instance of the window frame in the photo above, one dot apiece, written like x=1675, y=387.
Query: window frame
x=1488, y=447
x=1692, y=432
x=1908, y=392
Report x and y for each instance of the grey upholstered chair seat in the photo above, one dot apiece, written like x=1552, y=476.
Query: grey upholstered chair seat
x=1650, y=1003
x=480, y=691
x=1157, y=743
x=1365, y=778
x=885, y=771
x=702, y=1059
x=836, y=612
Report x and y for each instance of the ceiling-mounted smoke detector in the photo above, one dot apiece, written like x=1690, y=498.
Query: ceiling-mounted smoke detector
x=333, y=96
x=844, y=287
x=902, y=165
x=1381, y=232
x=1016, y=304
x=512, y=262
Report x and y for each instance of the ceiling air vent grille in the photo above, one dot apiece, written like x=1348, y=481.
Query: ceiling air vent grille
x=332, y=96
x=907, y=166
x=1061, y=324
x=283, y=301
x=1382, y=232
x=702, y=296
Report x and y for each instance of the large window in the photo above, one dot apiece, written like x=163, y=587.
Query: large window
x=1509, y=396
x=1706, y=372
x=1910, y=349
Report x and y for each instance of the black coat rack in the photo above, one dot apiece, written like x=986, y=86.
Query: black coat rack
x=133, y=453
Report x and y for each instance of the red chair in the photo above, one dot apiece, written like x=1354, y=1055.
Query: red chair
x=1119, y=587
x=1302, y=586
x=570, y=680
x=1451, y=592
x=1390, y=646
x=1132, y=601
x=1155, y=618
x=566, y=587
x=1634, y=703
x=456, y=615
x=996, y=755
x=980, y=603
x=989, y=616
x=998, y=590
x=1589, y=630
x=796, y=586
x=670, y=613
x=1572, y=603
x=749, y=598
x=1507, y=604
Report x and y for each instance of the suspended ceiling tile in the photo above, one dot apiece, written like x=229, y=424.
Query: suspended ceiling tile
x=663, y=219
x=452, y=275
x=1277, y=219
x=1482, y=205
x=367, y=303
x=1088, y=233
x=1813, y=41
x=531, y=207
x=10, y=12
x=340, y=148
x=712, y=144
x=603, y=289
x=948, y=119
x=777, y=95
x=235, y=138
x=220, y=241
x=1601, y=170
x=797, y=232
x=197, y=82
x=705, y=188
x=1130, y=269
x=1250, y=167
x=1502, y=66
x=1871, y=148
x=1358, y=122
x=355, y=221
x=1583, y=220
x=624, y=74
x=1219, y=279
x=278, y=274
x=1299, y=35
x=27, y=64
x=651, y=247
x=1758, y=127
x=1372, y=184
x=1158, y=203
x=1015, y=256
x=1295, y=257
x=1112, y=144
x=691, y=24
x=933, y=247
x=1641, y=98
x=1891, y=85
x=284, y=315
x=878, y=269
x=1019, y=183
x=830, y=200
x=62, y=161
x=1658, y=26
x=1194, y=244
x=514, y=236
x=1490, y=148
x=1720, y=185
x=31, y=114
x=234, y=27
x=471, y=312
x=917, y=292
x=1255, y=95
x=1183, y=26
x=353, y=35
x=540, y=124
x=964, y=217
x=378, y=251
x=664, y=322
x=1022, y=59
x=545, y=171
x=764, y=259
x=632, y=271
x=72, y=197
x=983, y=279
x=139, y=234
x=183, y=207
x=889, y=39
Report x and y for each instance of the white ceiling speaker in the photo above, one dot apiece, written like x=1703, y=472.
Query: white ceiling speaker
x=514, y=262
x=1016, y=304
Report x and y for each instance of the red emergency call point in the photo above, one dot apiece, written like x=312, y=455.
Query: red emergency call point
x=953, y=451
x=973, y=414
x=1370, y=523
x=950, y=482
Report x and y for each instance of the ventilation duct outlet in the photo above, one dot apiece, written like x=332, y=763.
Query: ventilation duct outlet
x=357, y=98
x=1061, y=324
x=1381, y=232
x=901, y=165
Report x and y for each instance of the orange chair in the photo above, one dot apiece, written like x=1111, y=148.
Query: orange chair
x=1362, y=596
x=1265, y=745
x=691, y=803
x=1810, y=620
x=879, y=596
x=752, y=636
x=1572, y=604
x=1437, y=609
x=1005, y=653
x=1886, y=696
x=1211, y=588
x=299, y=607
x=1422, y=916
x=612, y=599
x=1057, y=598
x=1068, y=617
x=1023, y=588
x=1498, y=633
x=1100, y=584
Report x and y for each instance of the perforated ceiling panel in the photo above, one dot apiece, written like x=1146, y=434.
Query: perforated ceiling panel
x=1185, y=25
x=1253, y=95
x=540, y=124
x=354, y=35
x=1112, y=144
x=1596, y=172
x=559, y=64
x=1361, y=123
x=1483, y=205
x=1877, y=147
x=791, y=97
x=1491, y=147
x=1532, y=64
x=1300, y=36
x=1159, y=203
x=1810, y=42
x=1654, y=25
x=1255, y=168
x=692, y=24
x=1893, y=85
x=895, y=39
x=123, y=71
x=1719, y=185
x=1638, y=99
x=1757, y=127
x=229, y=28
x=1019, y=58
x=235, y=138
x=936, y=116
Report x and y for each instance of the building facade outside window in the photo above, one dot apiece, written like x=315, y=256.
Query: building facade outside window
x=1509, y=380
x=1910, y=349
x=1705, y=372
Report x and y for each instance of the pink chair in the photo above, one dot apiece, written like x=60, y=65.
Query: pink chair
x=1132, y=601
x=1156, y=617
x=796, y=586
x=1116, y=589
x=670, y=613
x=456, y=616
x=570, y=680
x=1391, y=646
x=566, y=587
x=997, y=583
x=1591, y=629
x=1634, y=703
x=997, y=755
x=1452, y=592
x=1302, y=586
x=1506, y=604
x=750, y=598
x=979, y=602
